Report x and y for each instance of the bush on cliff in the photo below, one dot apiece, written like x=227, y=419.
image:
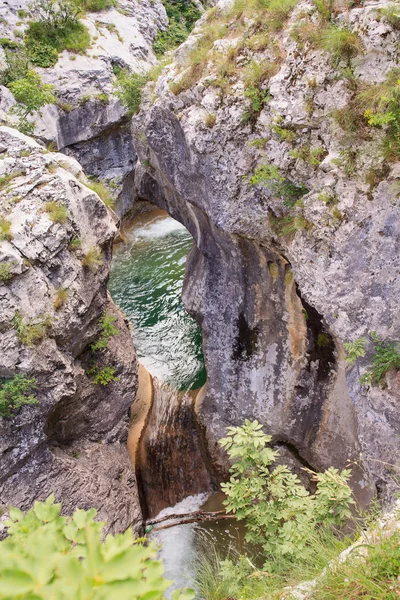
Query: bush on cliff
x=15, y=392
x=55, y=25
x=50, y=556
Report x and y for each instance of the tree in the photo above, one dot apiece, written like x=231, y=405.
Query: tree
x=279, y=512
x=31, y=94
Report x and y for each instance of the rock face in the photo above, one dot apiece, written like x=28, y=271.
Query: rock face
x=275, y=307
x=53, y=295
x=94, y=131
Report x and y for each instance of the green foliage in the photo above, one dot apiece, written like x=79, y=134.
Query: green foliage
x=288, y=225
x=369, y=572
x=341, y=43
x=6, y=179
x=391, y=13
x=279, y=513
x=312, y=156
x=31, y=94
x=325, y=8
x=55, y=25
x=48, y=556
x=57, y=212
x=107, y=330
x=5, y=229
x=355, y=349
x=16, y=392
x=287, y=135
x=7, y=43
x=102, y=192
x=28, y=332
x=328, y=196
x=96, y=5
x=269, y=176
x=74, y=243
x=381, y=105
x=6, y=271
x=102, y=375
x=72, y=36
x=386, y=358
x=93, y=258
x=41, y=54
x=182, y=16
x=128, y=89
x=17, y=65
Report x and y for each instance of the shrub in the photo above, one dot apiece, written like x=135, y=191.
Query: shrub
x=107, y=330
x=93, y=259
x=54, y=13
x=288, y=225
x=96, y=5
x=14, y=393
x=386, y=358
x=72, y=36
x=381, y=104
x=102, y=192
x=57, y=212
x=128, y=89
x=30, y=333
x=355, y=349
x=41, y=54
x=269, y=176
x=17, y=65
x=47, y=555
x=31, y=94
x=311, y=156
x=6, y=271
x=5, y=229
x=279, y=513
x=102, y=375
x=182, y=17
x=60, y=298
x=341, y=43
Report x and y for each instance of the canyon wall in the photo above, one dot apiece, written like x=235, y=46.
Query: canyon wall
x=55, y=252
x=278, y=286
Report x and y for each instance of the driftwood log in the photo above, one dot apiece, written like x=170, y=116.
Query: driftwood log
x=192, y=517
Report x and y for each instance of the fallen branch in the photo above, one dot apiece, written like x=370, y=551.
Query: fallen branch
x=194, y=520
x=194, y=514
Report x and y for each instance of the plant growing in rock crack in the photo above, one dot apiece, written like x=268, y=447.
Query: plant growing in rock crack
x=6, y=271
x=30, y=332
x=279, y=513
x=102, y=375
x=102, y=191
x=386, y=358
x=60, y=298
x=15, y=392
x=93, y=259
x=269, y=176
x=355, y=349
x=57, y=212
x=107, y=330
x=128, y=89
x=5, y=229
x=341, y=43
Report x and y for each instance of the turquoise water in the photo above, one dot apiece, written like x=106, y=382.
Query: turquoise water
x=146, y=282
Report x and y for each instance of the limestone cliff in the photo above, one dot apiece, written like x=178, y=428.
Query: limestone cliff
x=295, y=218
x=55, y=250
x=88, y=121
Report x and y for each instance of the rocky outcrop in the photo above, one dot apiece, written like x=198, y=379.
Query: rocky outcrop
x=53, y=294
x=276, y=305
x=89, y=123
